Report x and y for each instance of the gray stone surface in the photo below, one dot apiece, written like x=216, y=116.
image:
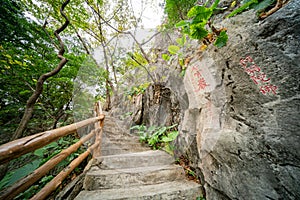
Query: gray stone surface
x=248, y=142
x=115, y=139
x=137, y=159
x=132, y=177
x=181, y=190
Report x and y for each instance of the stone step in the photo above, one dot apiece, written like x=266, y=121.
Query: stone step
x=124, y=139
x=119, y=150
x=119, y=144
x=133, y=160
x=121, y=178
x=119, y=135
x=179, y=190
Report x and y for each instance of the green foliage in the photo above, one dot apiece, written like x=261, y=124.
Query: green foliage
x=242, y=8
x=173, y=49
x=199, y=20
x=166, y=57
x=135, y=59
x=262, y=5
x=15, y=175
x=157, y=137
x=200, y=13
x=177, y=10
x=125, y=115
x=258, y=5
x=136, y=90
x=26, y=53
x=200, y=198
x=38, y=158
x=221, y=40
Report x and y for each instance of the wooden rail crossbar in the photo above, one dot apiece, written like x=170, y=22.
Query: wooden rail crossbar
x=25, y=145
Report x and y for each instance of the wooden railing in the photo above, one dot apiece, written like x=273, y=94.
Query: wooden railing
x=16, y=148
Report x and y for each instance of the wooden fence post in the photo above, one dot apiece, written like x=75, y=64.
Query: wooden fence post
x=98, y=126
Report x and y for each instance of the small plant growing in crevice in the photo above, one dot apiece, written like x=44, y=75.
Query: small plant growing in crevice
x=157, y=137
x=200, y=26
x=189, y=171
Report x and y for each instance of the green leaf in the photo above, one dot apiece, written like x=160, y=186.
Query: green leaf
x=182, y=23
x=151, y=129
x=242, y=8
x=8, y=56
x=39, y=152
x=4, y=182
x=166, y=57
x=169, y=148
x=198, y=32
x=262, y=5
x=160, y=131
x=170, y=137
x=46, y=179
x=24, y=171
x=173, y=49
x=181, y=41
x=25, y=92
x=51, y=145
x=215, y=4
x=200, y=14
x=18, y=62
x=221, y=39
x=172, y=126
x=181, y=62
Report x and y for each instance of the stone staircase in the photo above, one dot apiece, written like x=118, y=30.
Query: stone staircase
x=129, y=171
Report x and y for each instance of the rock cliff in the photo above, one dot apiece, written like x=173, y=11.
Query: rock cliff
x=237, y=107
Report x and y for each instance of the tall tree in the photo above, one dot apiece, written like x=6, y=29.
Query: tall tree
x=39, y=85
x=26, y=52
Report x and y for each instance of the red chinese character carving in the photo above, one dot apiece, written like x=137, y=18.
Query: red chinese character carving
x=202, y=84
x=268, y=88
x=261, y=77
x=249, y=59
x=245, y=60
x=198, y=74
x=194, y=68
x=252, y=69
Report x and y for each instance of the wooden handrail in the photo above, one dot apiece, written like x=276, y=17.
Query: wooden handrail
x=27, y=144
x=19, y=147
x=54, y=183
x=27, y=181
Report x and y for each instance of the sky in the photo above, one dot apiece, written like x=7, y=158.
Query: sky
x=152, y=12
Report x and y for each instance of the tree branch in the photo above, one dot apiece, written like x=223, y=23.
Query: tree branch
x=39, y=86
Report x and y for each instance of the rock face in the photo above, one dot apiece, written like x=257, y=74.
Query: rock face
x=244, y=107
x=239, y=108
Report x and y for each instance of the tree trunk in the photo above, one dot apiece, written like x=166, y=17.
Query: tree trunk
x=39, y=86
